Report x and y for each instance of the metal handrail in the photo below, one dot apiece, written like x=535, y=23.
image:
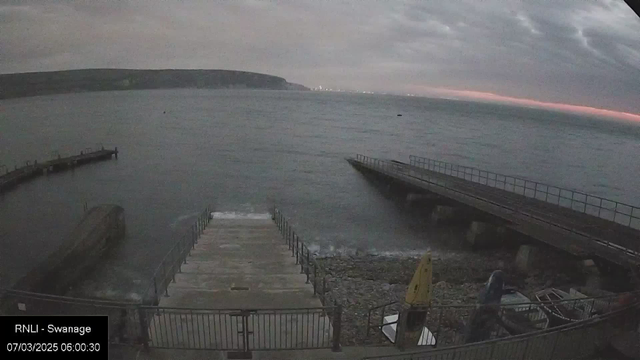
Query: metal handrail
x=175, y=258
x=308, y=264
x=586, y=203
x=383, y=307
x=64, y=299
x=310, y=267
x=262, y=310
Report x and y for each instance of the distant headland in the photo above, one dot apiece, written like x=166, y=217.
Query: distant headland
x=73, y=81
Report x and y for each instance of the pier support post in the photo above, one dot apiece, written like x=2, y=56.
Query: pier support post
x=594, y=277
x=442, y=213
x=413, y=199
x=525, y=257
x=481, y=234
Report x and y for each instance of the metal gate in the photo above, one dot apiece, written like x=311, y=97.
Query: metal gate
x=243, y=330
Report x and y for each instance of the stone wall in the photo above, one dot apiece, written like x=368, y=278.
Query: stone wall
x=102, y=227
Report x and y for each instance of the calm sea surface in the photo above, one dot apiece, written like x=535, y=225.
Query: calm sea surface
x=243, y=150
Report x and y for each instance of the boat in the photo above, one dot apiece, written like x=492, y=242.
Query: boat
x=418, y=298
x=596, y=301
x=519, y=315
x=389, y=330
x=563, y=307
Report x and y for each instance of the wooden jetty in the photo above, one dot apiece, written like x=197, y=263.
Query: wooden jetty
x=30, y=171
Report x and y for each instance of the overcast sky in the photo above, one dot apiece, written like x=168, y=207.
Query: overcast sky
x=581, y=52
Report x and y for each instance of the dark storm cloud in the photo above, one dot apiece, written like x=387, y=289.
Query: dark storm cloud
x=584, y=52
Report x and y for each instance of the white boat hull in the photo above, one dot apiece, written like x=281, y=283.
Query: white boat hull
x=389, y=331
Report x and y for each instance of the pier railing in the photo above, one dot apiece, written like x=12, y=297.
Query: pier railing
x=315, y=274
x=611, y=210
x=423, y=175
x=172, y=262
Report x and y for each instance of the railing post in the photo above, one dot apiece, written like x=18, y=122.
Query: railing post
x=173, y=263
x=186, y=247
x=315, y=276
x=493, y=350
x=307, y=266
x=555, y=343
x=155, y=290
x=144, y=334
x=324, y=287
x=572, y=195
x=337, y=325
x=297, y=250
x=528, y=342
x=600, y=209
x=293, y=248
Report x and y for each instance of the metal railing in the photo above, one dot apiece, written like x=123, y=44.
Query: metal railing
x=125, y=321
x=315, y=274
x=417, y=174
x=242, y=329
x=172, y=262
x=186, y=328
x=449, y=324
x=571, y=341
x=621, y=213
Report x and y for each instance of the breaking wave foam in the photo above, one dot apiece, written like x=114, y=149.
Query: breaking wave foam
x=240, y=215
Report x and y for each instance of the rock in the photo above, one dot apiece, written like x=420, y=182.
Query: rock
x=362, y=282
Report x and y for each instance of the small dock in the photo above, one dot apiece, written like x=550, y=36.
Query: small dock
x=30, y=171
x=240, y=263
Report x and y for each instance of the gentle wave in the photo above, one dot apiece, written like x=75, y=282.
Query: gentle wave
x=331, y=251
x=182, y=218
x=240, y=215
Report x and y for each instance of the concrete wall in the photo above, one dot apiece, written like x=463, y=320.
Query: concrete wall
x=101, y=227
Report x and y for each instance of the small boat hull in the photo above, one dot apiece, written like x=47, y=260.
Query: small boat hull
x=389, y=331
x=520, y=316
x=561, y=307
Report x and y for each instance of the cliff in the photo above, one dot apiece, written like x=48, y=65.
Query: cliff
x=71, y=81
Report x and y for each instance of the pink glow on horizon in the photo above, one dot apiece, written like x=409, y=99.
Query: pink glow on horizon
x=479, y=95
